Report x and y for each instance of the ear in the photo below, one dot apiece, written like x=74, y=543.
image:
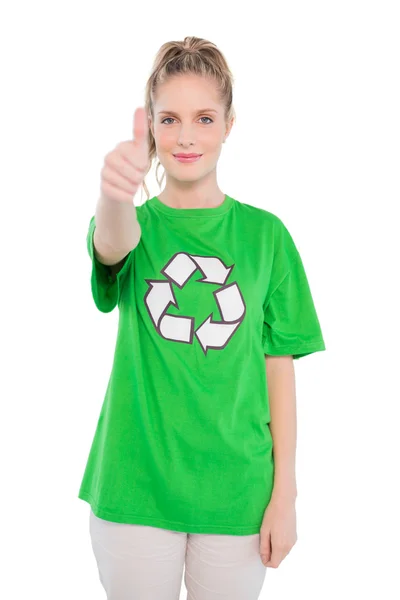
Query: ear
x=229, y=127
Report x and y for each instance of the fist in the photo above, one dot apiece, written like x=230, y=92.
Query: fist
x=125, y=167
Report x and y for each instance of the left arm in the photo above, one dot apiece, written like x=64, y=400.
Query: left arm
x=282, y=401
x=278, y=529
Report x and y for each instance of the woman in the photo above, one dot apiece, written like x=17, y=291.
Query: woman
x=214, y=304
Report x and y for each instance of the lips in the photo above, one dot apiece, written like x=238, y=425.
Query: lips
x=187, y=158
x=187, y=155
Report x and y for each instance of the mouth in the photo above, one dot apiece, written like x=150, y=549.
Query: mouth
x=187, y=158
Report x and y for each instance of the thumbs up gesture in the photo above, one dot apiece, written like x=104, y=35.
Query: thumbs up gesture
x=125, y=167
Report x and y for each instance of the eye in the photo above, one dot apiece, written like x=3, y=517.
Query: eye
x=208, y=119
x=170, y=118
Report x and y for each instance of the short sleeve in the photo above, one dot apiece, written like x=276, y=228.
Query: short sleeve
x=105, y=286
x=291, y=325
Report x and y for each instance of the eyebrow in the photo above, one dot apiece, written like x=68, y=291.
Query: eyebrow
x=170, y=112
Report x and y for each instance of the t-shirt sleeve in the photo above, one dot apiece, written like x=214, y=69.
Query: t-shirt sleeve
x=105, y=286
x=291, y=325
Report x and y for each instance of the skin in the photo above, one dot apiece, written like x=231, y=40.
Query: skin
x=194, y=185
x=191, y=185
x=278, y=532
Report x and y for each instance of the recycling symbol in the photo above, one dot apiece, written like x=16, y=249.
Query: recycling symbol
x=210, y=334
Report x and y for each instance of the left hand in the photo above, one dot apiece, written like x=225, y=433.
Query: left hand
x=278, y=531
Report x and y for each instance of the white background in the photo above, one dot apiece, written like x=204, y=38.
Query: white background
x=316, y=142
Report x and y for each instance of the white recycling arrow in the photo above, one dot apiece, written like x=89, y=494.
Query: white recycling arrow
x=230, y=302
x=177, y=328
x=213, y=269
x=182, y=266
x=215, y=334
x=158, y=298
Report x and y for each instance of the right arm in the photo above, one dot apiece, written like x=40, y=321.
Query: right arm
x=117, y=230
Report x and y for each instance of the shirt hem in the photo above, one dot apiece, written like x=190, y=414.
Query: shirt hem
x=292, y=349
x=101, y=513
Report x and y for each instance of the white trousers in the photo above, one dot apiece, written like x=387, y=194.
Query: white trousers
x=139, y=562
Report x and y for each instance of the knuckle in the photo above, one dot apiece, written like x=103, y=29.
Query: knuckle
x=109, y=158
x=104, y=171
x=121, y=145
x=127, y=162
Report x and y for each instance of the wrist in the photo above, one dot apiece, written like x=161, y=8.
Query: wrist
x=284, y=492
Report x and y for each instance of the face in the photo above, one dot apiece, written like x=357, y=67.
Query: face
x=188, y=118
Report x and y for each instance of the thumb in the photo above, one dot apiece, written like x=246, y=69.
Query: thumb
x=265, y=545
x=140, y=127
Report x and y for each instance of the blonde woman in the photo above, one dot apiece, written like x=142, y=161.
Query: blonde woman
x=192, y=462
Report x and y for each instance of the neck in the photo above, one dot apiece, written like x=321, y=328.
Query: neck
x=191, y=194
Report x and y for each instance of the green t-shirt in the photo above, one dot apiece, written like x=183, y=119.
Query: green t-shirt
x=183, y=439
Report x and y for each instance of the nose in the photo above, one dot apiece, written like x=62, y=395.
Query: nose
x=185, y=136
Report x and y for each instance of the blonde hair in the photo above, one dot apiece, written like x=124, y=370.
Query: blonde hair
x=195, y=56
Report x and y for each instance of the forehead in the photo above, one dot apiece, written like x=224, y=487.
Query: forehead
x=187, y=93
